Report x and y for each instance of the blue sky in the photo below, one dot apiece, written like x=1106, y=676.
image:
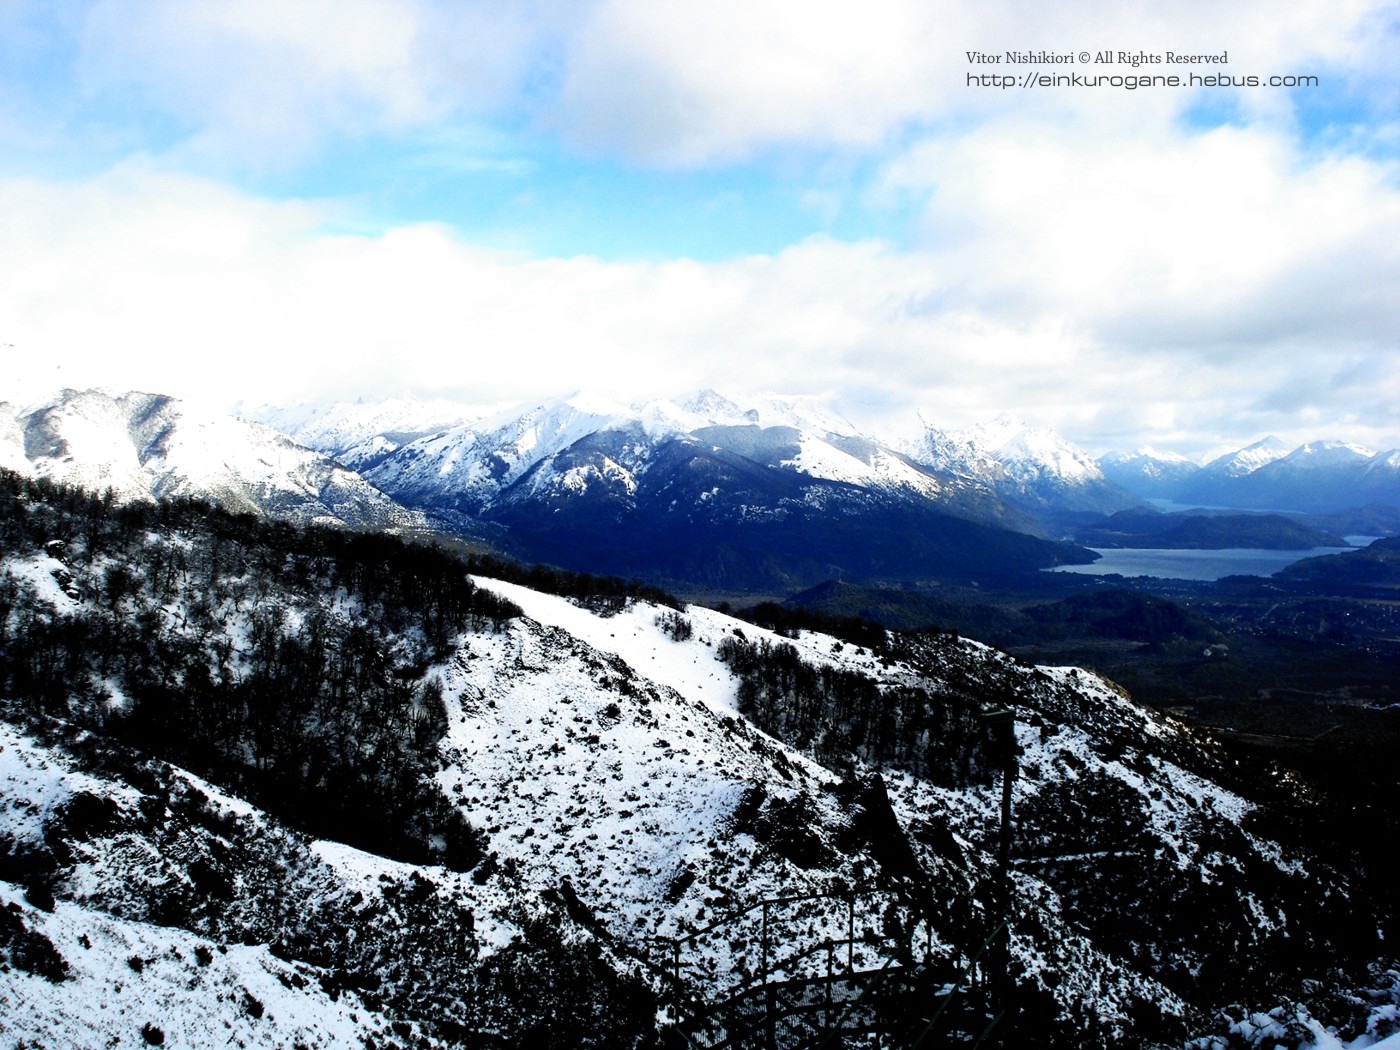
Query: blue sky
x=247, y=200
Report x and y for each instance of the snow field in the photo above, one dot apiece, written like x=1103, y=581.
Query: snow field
x=131, y=984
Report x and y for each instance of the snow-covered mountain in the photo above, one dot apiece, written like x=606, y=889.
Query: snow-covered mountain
x=1148, y=472
x=776, y=493
x=476, y=463
x=148, y=446
x=707, y=490
x=1319, y=476
x=1246, y=460
x=360, y=433
x=630, y=783
x=1031, y=466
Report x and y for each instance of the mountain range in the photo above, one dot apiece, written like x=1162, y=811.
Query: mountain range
x=1317, y=477
x=708, y=493
x=1004, y=471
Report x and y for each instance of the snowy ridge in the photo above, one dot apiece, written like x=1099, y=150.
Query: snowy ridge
x=1033, y=453
x=633, y=788
x=1249, y=459
x=148, y=447
x=1031, y=466
x=680, y=774
x=342, y=425
x=1321, y=455
x=1149, y=462
x=1317, y=476
x=858, y=462
x=475, y=462
x=1148, y=472
x=511, y=457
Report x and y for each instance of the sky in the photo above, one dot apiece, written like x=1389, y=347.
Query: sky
x=274, y=201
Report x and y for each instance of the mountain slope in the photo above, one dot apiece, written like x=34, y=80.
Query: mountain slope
x=709, y=495
x=1319, y=477
x=601, y=773
x=149, y=446
x=1246, y=460
x=1326, y=477
x=1031, y=466
x=1149, y=473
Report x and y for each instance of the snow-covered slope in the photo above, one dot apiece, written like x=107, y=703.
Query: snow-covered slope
x=1031, y=466
x=344, y=424
x=153, y=909
x=1317, y=476
x=470, y=465
x=473, y=465
x=1247, y=460
x=634, y=772
x=1033, y=453
x=148, y=446
x=134, y=984
x=1148, y=472
x=12, y=455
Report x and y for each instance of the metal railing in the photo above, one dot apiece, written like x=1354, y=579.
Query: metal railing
x=783, y=1003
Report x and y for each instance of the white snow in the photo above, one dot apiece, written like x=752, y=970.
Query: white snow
x=147, y=446
x=43, y=573
x=124, y=976
x=1249, y=459
x=34, y=783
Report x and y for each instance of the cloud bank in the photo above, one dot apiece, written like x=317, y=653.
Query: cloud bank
x=1189, y=268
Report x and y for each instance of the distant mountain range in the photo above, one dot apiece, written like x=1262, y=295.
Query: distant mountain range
x=772, y=493
x=1005, y=471
x=705, y=493
x=1317, y=477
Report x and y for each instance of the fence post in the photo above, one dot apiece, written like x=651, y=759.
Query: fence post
x=1003, y=726
x=826, y=1013
x=676, y=986
x=851, y=932
x=763, y=946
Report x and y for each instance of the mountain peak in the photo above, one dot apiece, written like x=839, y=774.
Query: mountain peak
x=1331, y=446
x=715, y=406
x=1248, y=459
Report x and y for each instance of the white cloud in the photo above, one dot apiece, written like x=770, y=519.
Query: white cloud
x=1088, y=258
x=262, y=82
x=140, y=279
x=711, y=83
x=695, y=82
x=1164, y=236
x=1223, y=279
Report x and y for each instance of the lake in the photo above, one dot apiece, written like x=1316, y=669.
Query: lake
x=1195, y=565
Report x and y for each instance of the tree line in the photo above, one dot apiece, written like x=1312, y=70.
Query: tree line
x=835, y=714
x=286, y=663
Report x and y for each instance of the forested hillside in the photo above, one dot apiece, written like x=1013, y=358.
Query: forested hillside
x=456, y=802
